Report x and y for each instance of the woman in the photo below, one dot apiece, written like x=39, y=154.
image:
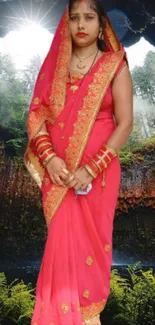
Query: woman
x=79, y=119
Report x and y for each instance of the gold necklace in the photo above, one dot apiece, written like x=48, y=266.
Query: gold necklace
x=81, y=65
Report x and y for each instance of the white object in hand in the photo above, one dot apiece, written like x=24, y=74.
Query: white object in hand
x=81, y=192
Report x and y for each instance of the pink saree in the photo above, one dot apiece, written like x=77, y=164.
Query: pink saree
x=74, y=279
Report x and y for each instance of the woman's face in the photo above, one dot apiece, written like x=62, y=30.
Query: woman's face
x=84, y=20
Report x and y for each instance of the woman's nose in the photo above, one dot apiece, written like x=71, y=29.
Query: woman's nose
x=81, y=24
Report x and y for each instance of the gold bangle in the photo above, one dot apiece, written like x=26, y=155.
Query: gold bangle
x=90, y=171
x=48, y=159
x=102, y=159
x=96, y=165
x=112, y=150
x=40, y=133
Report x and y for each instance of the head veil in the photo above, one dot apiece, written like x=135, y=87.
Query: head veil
x=50, y=89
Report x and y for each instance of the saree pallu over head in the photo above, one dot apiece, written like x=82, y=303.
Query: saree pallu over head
x=49, y=98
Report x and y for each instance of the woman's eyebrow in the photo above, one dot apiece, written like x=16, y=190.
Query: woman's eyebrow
x=85, y=13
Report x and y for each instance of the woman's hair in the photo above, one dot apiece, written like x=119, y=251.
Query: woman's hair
x=97, y=6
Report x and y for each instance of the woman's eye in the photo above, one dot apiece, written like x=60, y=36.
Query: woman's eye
x=73, y=18
x=89, y=17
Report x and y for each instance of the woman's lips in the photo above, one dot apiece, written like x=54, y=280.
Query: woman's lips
x=81, y=34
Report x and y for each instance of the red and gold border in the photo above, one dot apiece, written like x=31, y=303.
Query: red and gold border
x=58, y=88
x=89, y=312
x=90, y=108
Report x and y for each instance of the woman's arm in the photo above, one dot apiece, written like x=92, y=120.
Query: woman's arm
x=43, y=128
x=56, y=165
x=122, y=91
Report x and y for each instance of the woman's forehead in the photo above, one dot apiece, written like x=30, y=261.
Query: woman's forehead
x=82, y=5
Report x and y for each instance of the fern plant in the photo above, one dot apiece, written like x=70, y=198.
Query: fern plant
x=16, y=301
x=132, y=300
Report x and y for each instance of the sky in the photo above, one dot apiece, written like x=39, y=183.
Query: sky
x=23, y=44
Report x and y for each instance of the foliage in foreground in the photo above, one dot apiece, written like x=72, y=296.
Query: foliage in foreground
x=16, y=301
x=131, y=300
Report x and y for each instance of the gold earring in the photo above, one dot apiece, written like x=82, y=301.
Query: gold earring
x=101, y=35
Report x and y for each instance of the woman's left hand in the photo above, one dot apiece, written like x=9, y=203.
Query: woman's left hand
x=81, y=179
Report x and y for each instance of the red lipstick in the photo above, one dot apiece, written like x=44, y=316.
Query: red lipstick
x=81, y=34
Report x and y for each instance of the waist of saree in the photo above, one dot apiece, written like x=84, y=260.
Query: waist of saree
x=104, y=115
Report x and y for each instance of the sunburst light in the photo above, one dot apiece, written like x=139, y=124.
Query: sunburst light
x=29, y=31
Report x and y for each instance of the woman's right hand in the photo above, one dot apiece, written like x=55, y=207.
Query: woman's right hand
x=55, y=169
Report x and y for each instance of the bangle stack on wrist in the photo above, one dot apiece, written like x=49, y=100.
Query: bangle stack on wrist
x=44, y=147
x=98, y=163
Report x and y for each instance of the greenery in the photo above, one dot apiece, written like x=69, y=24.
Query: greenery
x=16, y=89
x=136, y=151
x=131, y=300
x=16, y=301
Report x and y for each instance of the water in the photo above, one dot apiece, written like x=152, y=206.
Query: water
x=27, y=270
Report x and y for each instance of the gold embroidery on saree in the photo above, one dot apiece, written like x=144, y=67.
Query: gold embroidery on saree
x=92, y=310
x=40, y=115
x=65, y=307
x=36, y=100
x=89, y=260
x=74, y=88
x=58, y=87
x=86, y=293
x=93, y=321
x=111, y=35
x=62, y=125
x=53, y=201
x=34, y=167
x=31, y=161
x=107, y=248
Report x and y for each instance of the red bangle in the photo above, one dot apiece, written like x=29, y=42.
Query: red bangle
x=41, y=137
x=42, y=141
x=93, y=167
x=106, y=159
x=109, y=150
x=46, y=154
x=107, y=153
x=102, y=159
x=100, y=162
x=43, y=148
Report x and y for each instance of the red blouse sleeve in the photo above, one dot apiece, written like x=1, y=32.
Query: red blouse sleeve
x=121, y=66
x=119, y=69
